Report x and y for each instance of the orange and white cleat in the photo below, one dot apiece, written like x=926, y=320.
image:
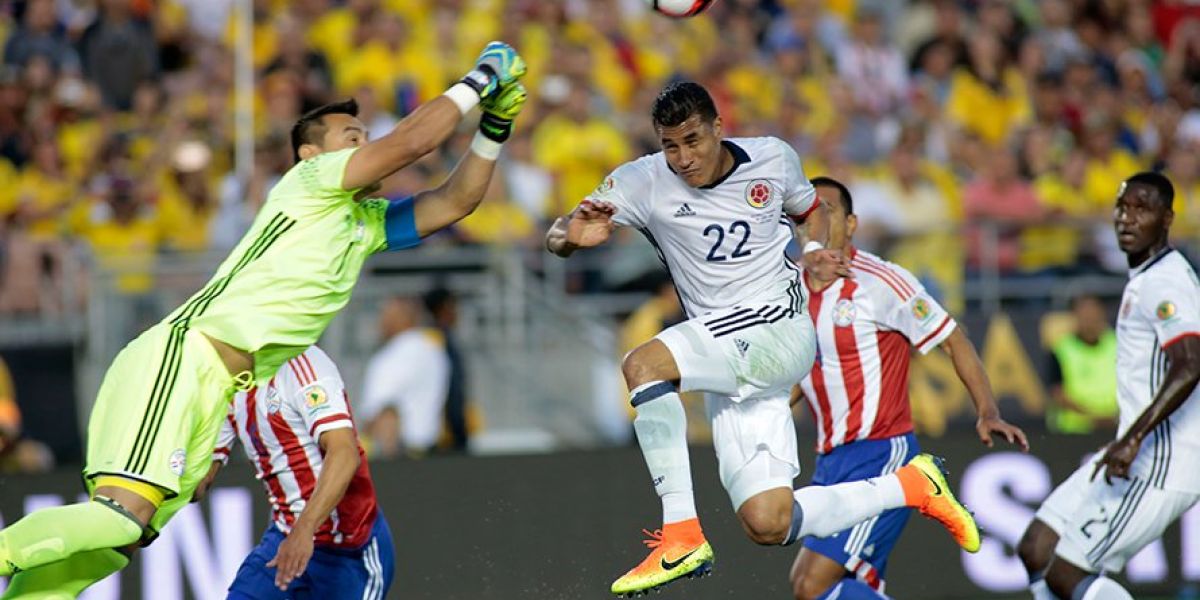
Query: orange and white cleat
x=926, y=489
x=677, y=550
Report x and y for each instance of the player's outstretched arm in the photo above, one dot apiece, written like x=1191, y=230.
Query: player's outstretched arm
x=341, y=460
x=497, y=69
x=1181, y=380
x=970, y=371
x=589, y=225
x=464, y=189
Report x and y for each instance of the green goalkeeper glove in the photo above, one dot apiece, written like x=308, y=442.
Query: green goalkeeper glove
x=499, y=111
x=497, y=68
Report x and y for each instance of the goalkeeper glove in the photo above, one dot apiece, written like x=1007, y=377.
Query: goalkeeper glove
x=497, y=68
x=499, y=111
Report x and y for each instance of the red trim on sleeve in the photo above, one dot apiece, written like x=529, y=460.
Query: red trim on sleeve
x=330, y=419
x=804, y=215
x=935, y=333
x=893, y=279
x=1179, y=338
x=312, y=373
x=224, y=451
x=297, y=372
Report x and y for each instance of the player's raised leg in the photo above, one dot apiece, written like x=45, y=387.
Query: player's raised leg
x=679, y=548
x=142, y=429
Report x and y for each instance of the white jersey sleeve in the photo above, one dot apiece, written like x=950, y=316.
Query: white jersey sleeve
x=1173, y=307
x=905, y=306
x=800, y=197
x=313, y=388
x=226, y=437
x=628, y=188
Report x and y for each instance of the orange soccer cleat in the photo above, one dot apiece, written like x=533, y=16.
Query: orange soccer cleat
x=926, y=489
x=677, y=550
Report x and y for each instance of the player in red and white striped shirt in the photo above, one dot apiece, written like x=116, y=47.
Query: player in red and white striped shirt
x=857, y=391
x=327, y=535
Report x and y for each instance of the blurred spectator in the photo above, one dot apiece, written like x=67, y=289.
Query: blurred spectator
x=40, y=35
x=1058, y=39
x=948, y=37
x=998, y=204
x=18, y=454
x=119, y=52
x=404, y=394
x=443, y=308
x=875, y=73
x=578, y=147
x=988, y=97
x=1082, y=378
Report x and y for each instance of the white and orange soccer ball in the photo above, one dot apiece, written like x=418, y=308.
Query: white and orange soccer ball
x=680, y=8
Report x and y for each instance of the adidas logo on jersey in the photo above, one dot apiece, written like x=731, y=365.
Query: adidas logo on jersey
x=742, y=346
x=685, y=211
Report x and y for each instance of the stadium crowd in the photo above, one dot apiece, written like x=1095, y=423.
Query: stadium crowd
x=973, y=133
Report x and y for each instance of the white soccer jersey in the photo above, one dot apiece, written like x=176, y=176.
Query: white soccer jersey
x=1160, y=307
x=722, y=244
x=866, y=328
x=280, y=425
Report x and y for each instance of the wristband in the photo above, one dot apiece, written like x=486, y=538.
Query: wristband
x=463, y=96
x=812, y=246
x=485, y=148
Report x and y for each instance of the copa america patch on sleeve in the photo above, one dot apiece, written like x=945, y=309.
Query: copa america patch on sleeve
x=315, y=397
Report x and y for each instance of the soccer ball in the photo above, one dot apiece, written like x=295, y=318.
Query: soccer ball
x=680, y=8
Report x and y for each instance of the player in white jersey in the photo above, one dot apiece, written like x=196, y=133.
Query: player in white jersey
x=327, y=537
x=1090, y=525
x=718, y=212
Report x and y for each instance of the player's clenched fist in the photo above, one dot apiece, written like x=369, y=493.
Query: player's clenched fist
x=497, y=68
x=500, y=110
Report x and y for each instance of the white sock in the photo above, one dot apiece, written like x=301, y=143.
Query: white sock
x=1103, y=588
x=826, y=510
x=661, y=428
x=1040, y=590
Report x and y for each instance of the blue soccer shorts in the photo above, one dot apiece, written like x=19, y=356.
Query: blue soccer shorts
x=332, y=572
x=864, y=548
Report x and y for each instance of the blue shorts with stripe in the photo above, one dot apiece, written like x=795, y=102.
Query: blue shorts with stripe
x=864, y=548
x=332, y=573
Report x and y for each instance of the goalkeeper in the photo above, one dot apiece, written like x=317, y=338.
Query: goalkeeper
x=156, y=418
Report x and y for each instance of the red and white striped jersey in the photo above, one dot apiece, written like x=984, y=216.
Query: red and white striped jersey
x=279, y=427
x=858, y=388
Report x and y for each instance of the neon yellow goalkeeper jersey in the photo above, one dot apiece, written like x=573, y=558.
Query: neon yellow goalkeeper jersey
x=294, y=270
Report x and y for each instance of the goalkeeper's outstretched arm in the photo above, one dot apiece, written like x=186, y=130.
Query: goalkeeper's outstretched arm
x=464, y=189
x=497, y=69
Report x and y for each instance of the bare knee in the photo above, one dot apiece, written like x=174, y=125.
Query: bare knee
x=1036, y=547
x=651, y=361
x=813, y=574
x=765, y=519
x=1062, y=577
x=807, y=588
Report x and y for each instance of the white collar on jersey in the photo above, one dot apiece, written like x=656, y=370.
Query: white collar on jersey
x=1150, y=262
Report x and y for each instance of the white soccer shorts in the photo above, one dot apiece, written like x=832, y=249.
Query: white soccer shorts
x=1101, y=526
x=747, y=359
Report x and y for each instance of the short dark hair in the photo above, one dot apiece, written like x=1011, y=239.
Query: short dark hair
x=1082, y=297
x=310, y=128
x=436, y=299
x=679, y=101
x=1159, y=183
x=843, y=191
